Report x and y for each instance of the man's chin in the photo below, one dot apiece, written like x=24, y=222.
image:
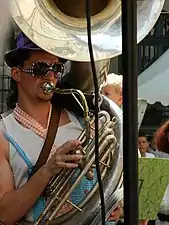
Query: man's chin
x=45, y=97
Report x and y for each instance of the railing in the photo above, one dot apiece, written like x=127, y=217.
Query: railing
x=5, y=78
x=4, y=86
x=150, y=49
x=155, y=43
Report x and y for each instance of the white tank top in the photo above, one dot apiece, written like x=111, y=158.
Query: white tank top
x=32, y=144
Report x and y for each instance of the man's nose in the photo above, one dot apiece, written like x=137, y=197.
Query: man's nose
x=50, y=75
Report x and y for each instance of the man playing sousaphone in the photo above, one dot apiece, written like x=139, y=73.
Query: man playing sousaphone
x=24, y=131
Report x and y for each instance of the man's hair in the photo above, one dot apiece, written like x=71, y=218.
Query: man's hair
x=115, y=80
x=143, y=134
x=12, y=97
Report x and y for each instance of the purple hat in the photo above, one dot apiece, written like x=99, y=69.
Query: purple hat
x=23, y=43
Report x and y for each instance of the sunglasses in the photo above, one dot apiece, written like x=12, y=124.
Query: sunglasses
x=41, y=69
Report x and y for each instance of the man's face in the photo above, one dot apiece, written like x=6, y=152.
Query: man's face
x=113, y=94
x=143, y=144
x=30, y=86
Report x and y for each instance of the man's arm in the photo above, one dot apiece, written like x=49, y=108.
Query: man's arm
x=16, y=203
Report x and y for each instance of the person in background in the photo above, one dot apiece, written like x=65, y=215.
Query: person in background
x=112, y=88
x=154, y=150
x=143, y=146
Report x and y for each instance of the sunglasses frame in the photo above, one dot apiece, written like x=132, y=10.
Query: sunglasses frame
x=30, y=70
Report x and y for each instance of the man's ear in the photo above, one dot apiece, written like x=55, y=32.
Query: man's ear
x=15, y=73
x=120, y=99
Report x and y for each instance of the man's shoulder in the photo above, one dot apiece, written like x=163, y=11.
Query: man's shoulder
x=150, y=155
x=161, y=154
x=5, y=114
x=2, y=125
x=3, y=117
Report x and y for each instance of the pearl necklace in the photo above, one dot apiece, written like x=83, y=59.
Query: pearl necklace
x=30, y=123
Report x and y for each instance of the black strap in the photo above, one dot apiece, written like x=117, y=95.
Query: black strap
x=51, y=134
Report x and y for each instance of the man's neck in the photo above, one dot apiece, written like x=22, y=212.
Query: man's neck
x=38, y=111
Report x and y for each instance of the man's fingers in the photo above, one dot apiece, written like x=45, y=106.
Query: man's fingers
x=66, y=158
x=67, y=165
x=68, y=146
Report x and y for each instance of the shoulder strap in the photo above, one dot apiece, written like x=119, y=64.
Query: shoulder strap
x=81, y=121
x=19, y=151
x=51, y=134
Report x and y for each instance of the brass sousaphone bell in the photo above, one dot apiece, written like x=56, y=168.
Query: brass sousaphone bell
x=59, y=27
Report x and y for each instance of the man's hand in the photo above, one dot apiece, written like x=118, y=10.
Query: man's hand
x=63, y=157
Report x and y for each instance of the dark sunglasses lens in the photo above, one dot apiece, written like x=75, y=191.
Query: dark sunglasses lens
x=40, y=69
x=57, y=68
